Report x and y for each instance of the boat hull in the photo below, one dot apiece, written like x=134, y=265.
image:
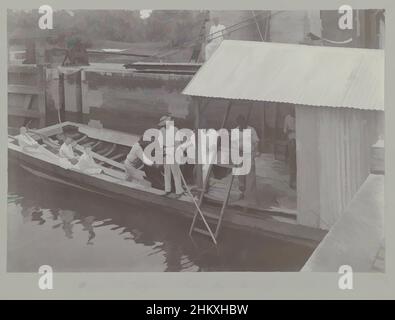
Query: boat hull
x=265, y=223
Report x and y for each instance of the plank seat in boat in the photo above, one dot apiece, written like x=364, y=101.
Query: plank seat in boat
x=109, y=135
x=83, y=138
x=118, y=156
x=110, y=150
x=96, y=144
x=89, y=144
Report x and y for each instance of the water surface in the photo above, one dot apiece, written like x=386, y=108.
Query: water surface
x=74, y=230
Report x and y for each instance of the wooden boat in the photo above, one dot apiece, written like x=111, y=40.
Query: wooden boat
x=110, y=149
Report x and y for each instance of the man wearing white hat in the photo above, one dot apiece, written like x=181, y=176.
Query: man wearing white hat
x=167, y=127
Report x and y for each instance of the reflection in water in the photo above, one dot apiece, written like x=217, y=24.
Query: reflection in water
x=74, y=230
x=87, y=222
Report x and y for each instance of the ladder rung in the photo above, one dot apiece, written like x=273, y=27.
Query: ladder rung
x=210, y=215
x=205, y=232
x=225, y=165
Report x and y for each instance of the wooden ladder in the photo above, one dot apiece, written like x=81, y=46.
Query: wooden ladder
x=204, y=215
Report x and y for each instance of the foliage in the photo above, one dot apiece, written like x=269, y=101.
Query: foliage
x=173, y=27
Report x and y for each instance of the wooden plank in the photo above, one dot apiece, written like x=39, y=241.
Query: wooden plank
x=26, y=69
x=103, y=149
x=81, y=139
x=118, y=156
x=108, y=135
x=78, y=95
x=20, y=112
x=101, y=158
x=96, y=144
x=62, y=98
x=28, y=101
x=202, y=231
x=22, y=89
x=111, y=150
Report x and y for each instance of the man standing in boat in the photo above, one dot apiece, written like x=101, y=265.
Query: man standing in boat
x=289, y=130
x=171, y=168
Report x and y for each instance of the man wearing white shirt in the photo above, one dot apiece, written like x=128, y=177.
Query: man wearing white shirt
x=66, y=151
x=216, y=35
x=171, y=168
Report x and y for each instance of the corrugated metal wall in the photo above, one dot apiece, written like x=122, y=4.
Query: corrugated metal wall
x=333, y=152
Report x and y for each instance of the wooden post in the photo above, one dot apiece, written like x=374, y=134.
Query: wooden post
x=377, y=156
x=226, y=116
x=61, y=98
x=198, y=167
x=249, y=112
x=41, y=79
x=78, y=94
x=41, y=82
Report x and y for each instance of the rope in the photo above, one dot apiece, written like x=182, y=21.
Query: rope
x=246, y=23
x=191, y=42
x=257, y=25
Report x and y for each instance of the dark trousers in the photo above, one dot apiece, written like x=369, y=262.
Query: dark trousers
x=292, y=162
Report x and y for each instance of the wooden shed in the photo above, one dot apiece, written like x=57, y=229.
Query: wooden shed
x=338, y=95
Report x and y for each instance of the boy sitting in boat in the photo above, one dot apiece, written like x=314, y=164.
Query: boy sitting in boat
x=26, y=141
x=66, y=151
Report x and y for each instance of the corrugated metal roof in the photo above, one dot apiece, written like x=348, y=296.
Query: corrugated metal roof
x=299, y=74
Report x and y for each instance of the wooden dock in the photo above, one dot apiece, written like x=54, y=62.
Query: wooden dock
x=26, y=94
x=357, y=238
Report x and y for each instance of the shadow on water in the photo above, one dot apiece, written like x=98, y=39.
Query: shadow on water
x=74, y=230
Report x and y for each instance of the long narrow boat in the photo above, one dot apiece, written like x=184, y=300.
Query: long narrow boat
x=110, y=149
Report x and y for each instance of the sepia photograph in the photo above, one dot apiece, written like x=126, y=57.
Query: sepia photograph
x=195, y=140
